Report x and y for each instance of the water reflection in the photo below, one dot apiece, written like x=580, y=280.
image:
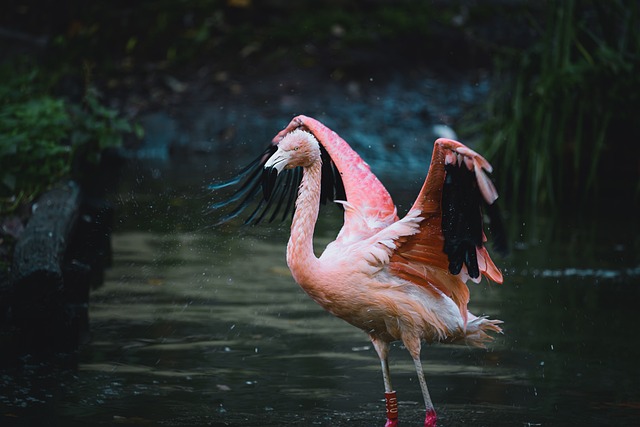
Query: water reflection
x=196, y=326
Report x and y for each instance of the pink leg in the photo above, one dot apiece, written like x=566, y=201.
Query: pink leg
x=413, y=345
x=430, y=419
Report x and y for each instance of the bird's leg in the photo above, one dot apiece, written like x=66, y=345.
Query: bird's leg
x=430, y=419
x=391, y=401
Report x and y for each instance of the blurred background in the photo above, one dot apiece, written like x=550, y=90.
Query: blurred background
x=146, y=103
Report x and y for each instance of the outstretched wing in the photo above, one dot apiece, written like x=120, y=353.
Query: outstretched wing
x=271, y=196
x=369, y=206
x=449, y=247
x=345, y=178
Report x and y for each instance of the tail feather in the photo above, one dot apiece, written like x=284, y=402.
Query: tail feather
x=478, y=329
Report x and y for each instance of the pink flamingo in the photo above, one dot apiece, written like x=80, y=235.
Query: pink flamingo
x=396, y=279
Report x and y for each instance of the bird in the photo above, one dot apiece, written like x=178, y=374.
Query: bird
x=397, y=279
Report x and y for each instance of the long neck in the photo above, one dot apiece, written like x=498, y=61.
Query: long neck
x=300, y=256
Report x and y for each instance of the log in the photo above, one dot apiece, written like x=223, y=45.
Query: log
x=37, y=294
x=39, y=252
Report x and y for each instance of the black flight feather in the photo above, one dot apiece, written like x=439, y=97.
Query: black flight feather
x=293, y=193
x=326, y=183
x=279, y=191
x=251, y=168
x=285, y=193
x=461, y=218
x=269, y=177
x=276, y=196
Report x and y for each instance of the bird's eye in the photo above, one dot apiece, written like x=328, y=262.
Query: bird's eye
x=295, y=148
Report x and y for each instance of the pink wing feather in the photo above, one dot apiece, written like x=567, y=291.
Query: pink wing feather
x=419, y=258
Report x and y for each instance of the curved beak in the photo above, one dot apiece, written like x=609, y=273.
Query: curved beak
x=277, y=161
x=272, y=168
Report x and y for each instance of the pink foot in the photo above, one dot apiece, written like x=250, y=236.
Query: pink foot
x=430, y=419
x=392, y=409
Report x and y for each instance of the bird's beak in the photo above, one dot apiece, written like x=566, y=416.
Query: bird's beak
x=272, y=168
x=277, y=161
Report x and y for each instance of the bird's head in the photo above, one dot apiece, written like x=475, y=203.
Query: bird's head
x=298, y=148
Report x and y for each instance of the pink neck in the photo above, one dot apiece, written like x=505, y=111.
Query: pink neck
x=300, y=256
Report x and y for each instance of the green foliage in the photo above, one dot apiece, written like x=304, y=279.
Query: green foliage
x=551, y=119
x=40, y=135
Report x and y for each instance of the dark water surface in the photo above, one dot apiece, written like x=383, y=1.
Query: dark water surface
x=199, y=326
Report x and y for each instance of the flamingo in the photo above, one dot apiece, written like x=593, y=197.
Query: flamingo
x=396, y=279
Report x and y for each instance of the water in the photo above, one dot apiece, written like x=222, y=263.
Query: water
x=197, y=326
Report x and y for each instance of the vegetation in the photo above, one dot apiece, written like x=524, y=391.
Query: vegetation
x=50, y=112
x=563, y=111
x=41, y=136
x=559, y=99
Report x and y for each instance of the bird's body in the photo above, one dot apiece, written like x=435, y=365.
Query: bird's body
x=352, y=280
x=388, y=276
